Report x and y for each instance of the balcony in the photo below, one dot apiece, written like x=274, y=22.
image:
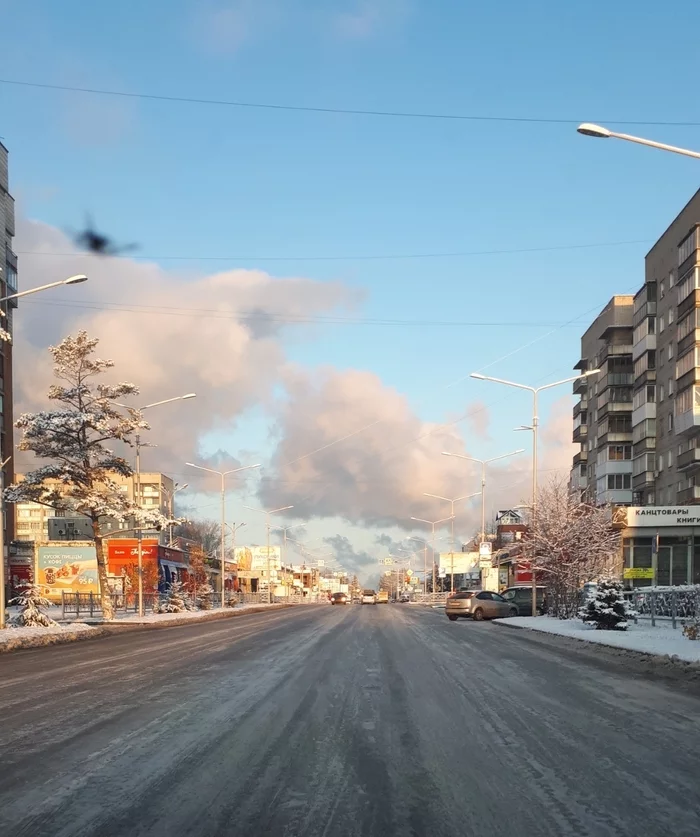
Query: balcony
x=615, y=379
x=689, y=460
x=579, y=406
x=646, y=344
x=610, y=349
x=580, y=433
x=688, y=495
x=580, y=458
x=691, y=301
x=580, y=386
x=614, y=407
x=643, y=480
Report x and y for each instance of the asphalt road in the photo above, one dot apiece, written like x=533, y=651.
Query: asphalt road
x=319, y=720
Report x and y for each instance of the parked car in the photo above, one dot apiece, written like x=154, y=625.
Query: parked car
x=478, y=605
x=521, y=597
x=405, y=598
x=339, y=598
x=369, y=597
x=382, y=597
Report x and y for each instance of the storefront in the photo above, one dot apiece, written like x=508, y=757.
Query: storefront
x=660, y=544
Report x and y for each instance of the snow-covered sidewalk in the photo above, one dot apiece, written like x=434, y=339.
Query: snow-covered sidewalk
x=662, y=640
x=71, y=631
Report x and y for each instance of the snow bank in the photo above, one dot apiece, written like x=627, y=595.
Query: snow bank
x=13, y=638
x=661, y=641
x=194, y=615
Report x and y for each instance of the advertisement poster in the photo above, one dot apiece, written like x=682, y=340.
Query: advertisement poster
x=72, y=569
x=259, y=559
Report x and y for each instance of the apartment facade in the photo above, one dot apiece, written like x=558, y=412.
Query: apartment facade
x=32, y=519
x=602, y=468
x=661, y=528
x=8, y=285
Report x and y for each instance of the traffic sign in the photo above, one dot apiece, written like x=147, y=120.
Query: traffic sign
x=485, y=549
x=409, y=572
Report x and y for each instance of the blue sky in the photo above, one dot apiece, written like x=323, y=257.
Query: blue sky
x=191, y=180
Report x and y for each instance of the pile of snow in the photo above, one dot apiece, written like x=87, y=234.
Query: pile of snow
x=15, y=637
x=193, y=615
x=662, y=641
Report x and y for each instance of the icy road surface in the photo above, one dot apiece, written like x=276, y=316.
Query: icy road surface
x=358, y=720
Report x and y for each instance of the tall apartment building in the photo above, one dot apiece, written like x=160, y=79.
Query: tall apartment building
x=666, y=388
x=603, y=414
x=8, y=285
x=156, y=492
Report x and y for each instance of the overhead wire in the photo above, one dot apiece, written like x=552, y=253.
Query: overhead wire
x=392, y=114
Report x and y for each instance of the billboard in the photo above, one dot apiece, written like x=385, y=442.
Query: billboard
x=459, y=562
x=252, y=561
x=72, y=569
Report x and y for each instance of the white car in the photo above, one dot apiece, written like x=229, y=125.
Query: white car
x=369, y=597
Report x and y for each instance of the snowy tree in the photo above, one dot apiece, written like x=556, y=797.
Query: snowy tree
x=205, y=596
x=72, y=439
x=572, y=542
x=31, y=614
x=608, y=610
x=174, y=601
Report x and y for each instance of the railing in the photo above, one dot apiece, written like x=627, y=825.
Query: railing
x=667, y=603
x=90, y=604
x=430, y=598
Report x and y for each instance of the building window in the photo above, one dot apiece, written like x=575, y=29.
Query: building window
x=671, y=279
x=687, y=362
x=619, y=482
x=671, y=315
x=661, y=392
x=687, y=284
x=618, y=453
x=670, y=387
x=662, y=324
x=662, y=289
x=687, y=247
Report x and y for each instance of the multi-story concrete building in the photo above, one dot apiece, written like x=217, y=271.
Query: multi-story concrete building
x=156, y=492
x=8, y=285
x=603, y=415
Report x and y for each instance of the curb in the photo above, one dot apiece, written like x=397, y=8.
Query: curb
x=104, y=629
x=615, y=650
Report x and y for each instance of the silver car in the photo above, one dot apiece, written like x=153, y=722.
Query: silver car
x=478, y=605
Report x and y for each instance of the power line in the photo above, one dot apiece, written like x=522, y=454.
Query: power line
x=263, y=317
x=358, y=258
x=458, y=117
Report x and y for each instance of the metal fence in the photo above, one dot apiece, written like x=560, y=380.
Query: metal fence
x=90, y=604
x=430, y=598
x=672, y=604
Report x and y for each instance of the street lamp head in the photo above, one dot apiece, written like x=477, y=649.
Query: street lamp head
x=478, y=375
x=189, y=395
x=591, y=372
x=75, y=280
x=588, y=129
x=524, y=427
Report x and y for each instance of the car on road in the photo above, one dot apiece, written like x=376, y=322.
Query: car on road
x=478, y=605
x=339, y=598
x=369, y=597
x=405, y=598
x=521, y=597
x=382, y=597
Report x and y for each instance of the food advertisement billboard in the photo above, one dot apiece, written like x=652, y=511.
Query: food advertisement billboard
x=72, y=569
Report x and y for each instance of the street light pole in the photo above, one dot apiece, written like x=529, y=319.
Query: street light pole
x=535, y=423
x=268, y=513
x=483, y=463
x=433, y=524
x=139, y=531
x=223, y=475
x=284, y=530
x=452, y=517
x=590, y=130
x=71, y=280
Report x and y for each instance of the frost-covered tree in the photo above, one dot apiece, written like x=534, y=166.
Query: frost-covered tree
x=205, y=598
x=573, y=542
x=74, y=439
x=608, y=610
x=174, y=601
x=31, y=614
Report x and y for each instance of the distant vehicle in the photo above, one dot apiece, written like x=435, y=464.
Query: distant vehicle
x=405, y=598
x=369, y=597
x=521, y=597
x=382, y=597
x=339, y=598
x=478, y=606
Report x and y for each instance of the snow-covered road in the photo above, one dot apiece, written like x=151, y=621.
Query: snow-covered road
x=371, y=721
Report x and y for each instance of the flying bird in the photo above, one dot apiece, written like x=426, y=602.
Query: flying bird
x=98, y=243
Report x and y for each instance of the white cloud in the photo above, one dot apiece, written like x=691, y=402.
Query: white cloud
x=364, y=18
